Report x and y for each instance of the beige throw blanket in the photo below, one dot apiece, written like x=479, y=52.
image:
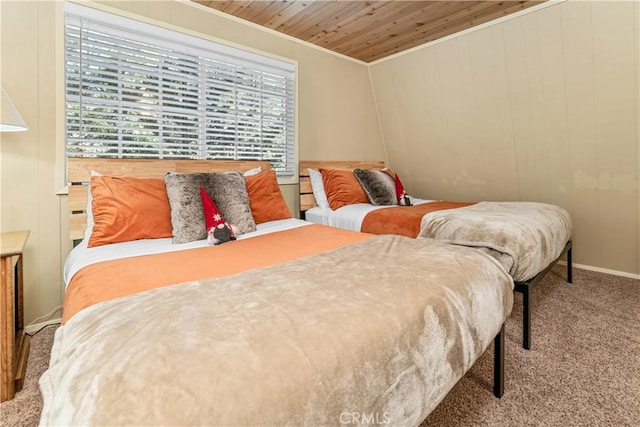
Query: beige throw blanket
x=525, y=237
x=381, y=329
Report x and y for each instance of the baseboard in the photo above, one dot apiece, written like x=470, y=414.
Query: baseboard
x=35, y=328
x=603, y=270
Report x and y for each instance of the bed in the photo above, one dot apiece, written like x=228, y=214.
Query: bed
x=528, y=239
x=292, y=323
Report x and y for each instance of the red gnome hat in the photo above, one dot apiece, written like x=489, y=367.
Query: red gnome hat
x=400, y=191
x=212, y=214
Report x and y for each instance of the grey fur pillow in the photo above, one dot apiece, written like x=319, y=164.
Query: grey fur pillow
x=187, y=215
x=229, y=192
x=378, y=186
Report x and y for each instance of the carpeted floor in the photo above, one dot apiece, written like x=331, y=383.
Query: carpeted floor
x=583, y=368
x=24, y=409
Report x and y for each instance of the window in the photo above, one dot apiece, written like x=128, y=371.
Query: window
x=135, y=90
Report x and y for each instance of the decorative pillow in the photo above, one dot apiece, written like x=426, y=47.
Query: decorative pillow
x=187, y=218
x=318, y=188
x=218, y=231
x=267, y=203
x=378, y=186
x=342, y=188
x=127, y=208
x=229, y=192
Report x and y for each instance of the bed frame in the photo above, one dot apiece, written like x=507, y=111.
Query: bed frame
x=79, y=176
x=525, y=289
x=307, y=202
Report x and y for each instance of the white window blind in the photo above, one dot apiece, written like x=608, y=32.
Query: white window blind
x=136, y=90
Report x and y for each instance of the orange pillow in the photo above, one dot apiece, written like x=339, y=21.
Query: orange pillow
x=342, y=188
x=126, y=208
x=267, y=203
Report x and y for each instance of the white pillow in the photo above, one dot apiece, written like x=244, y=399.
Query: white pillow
x=89, y=208
x=253, y=171
x=318, y=189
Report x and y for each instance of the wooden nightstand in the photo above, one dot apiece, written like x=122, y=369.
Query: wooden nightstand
x=14, y=344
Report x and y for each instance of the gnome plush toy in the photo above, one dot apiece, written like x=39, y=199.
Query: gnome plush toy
x=218, y=231
x=401, y=193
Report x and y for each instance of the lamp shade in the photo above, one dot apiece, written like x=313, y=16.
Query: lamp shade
x=10, y=119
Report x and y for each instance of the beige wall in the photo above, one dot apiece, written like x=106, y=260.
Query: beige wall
x=542, y=107
x=27, y=159
x=337, y=119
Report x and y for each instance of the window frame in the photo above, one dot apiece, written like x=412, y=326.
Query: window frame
x=162, y=28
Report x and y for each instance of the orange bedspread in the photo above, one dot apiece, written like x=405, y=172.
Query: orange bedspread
x=107, y=280
x=403, y=220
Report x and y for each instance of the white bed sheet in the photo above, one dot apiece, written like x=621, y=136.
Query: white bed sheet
x=82, y=256
x=348, y=217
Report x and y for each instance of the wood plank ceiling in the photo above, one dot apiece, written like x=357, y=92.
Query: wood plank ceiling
x=372, y=29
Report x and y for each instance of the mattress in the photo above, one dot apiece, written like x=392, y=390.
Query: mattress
x=348, y=217
x=81, y=256
x=525, y=237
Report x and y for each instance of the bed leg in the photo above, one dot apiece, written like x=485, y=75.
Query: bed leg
x=498, y=364
x=570, y=263
x=526, y=319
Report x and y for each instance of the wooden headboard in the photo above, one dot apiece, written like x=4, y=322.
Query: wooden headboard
x=79, y=176
x=307, y=201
